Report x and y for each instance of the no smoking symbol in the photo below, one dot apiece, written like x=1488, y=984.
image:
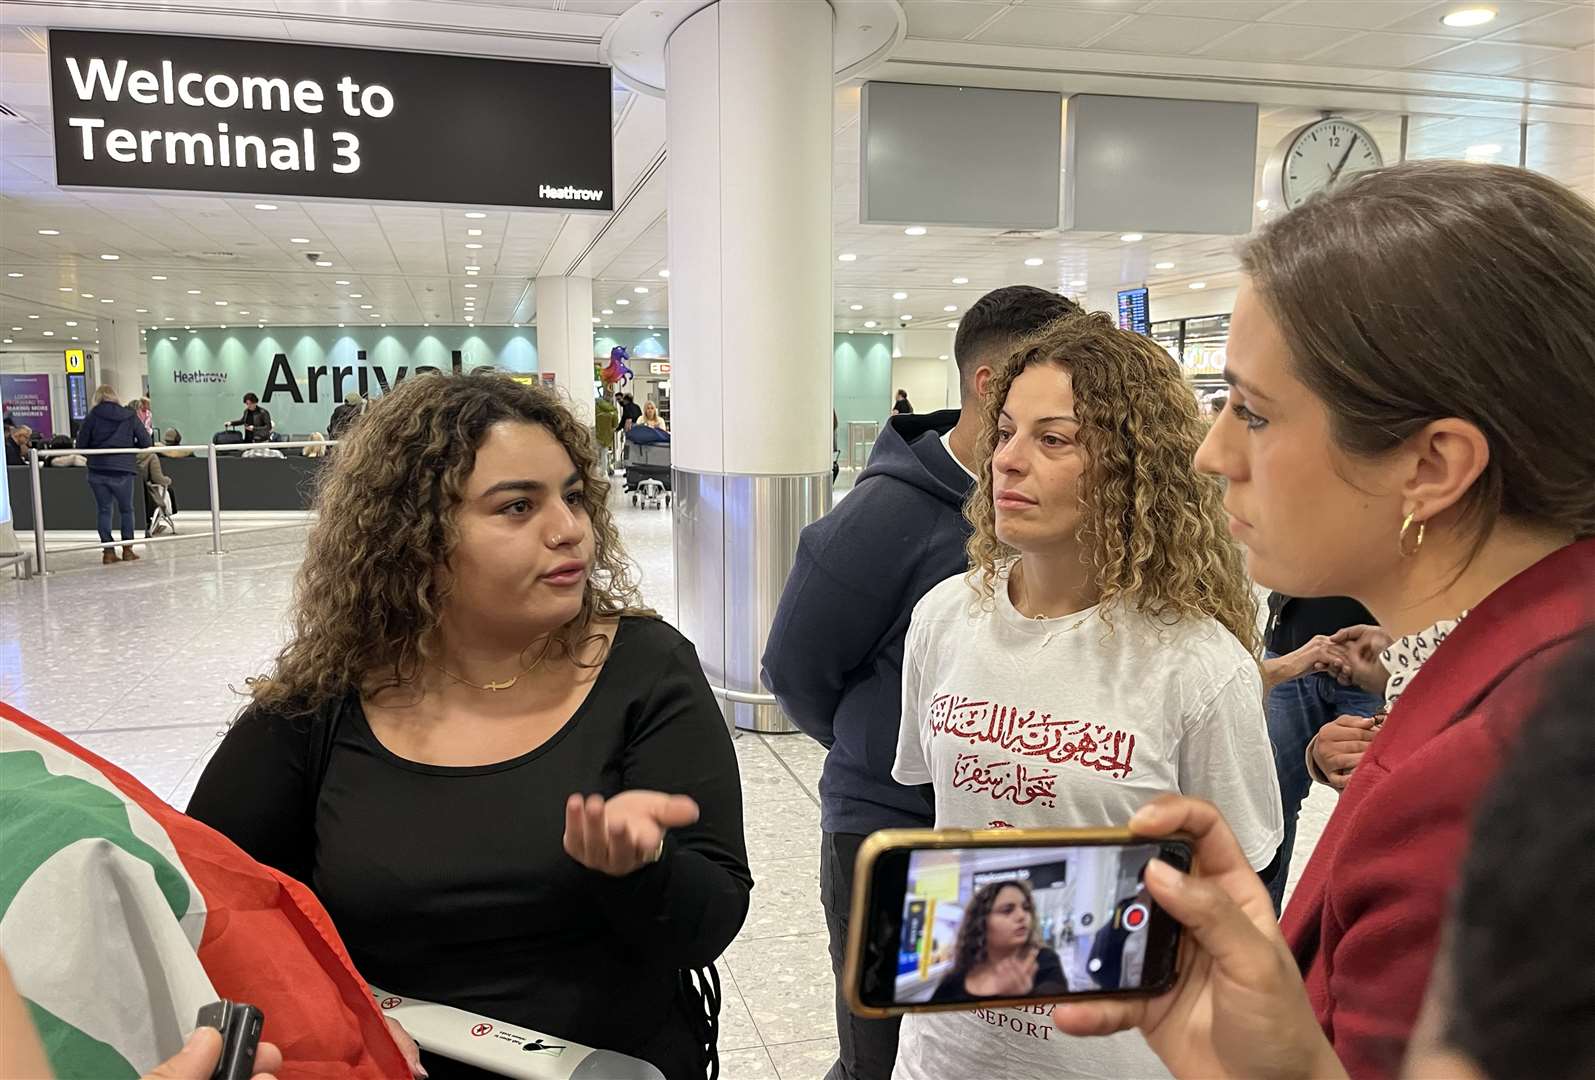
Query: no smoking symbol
x=481, y=1029
x=392, y=1002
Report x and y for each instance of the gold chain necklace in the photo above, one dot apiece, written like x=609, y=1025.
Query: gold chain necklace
x=1024, y=587
x=495, y=686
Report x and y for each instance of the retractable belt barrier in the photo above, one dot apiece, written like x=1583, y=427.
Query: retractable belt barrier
x=37, y=458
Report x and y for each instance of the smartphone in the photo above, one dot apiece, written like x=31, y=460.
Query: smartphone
x=240, y=1026
x=962, y=919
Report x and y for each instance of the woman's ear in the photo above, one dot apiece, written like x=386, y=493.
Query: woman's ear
x=1448, y=457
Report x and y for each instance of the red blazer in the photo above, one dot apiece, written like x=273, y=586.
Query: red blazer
x=1364, y=921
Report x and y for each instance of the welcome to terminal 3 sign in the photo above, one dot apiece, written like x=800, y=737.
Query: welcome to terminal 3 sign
x=264, y=118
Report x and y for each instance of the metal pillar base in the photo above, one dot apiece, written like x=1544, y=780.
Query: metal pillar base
x=735, y=541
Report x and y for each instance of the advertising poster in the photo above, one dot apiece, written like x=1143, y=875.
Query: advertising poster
x=5, y=488
x=27, y=399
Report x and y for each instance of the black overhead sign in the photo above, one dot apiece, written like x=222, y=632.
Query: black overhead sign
x=262, y=118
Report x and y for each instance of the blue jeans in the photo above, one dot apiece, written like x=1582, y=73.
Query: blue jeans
x=1296, y=710
x=109, y=487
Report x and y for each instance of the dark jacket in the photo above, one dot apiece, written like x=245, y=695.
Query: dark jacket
x=110, y=425
x=1364, y=922
x=14, y=452
x=256, y=425
x=835, y=655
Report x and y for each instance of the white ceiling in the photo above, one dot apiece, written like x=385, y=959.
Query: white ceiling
x=1369, y=60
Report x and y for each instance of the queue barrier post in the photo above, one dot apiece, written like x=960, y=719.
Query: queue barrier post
x=38, y=508
x=213, y=476
x=37, y=458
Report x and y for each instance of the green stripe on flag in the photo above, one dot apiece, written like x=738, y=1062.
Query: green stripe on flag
x=74, y=1055
x=88, y=812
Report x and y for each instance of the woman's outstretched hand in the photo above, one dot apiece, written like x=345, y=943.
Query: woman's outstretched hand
x=1239, y=1008
x=621, y=835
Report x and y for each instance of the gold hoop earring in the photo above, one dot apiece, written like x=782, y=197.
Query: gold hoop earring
x=1401, y=537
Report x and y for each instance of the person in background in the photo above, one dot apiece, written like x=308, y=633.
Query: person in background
x=651, y=417
x=1307, y=679
x=836, y=454
x=902, y=406
x=999, y=951
x=1510, y=994
x=110, y=425
x=256, y=421
x=606, y=422
x=835, y=651
x=64, y=442
x=1101, y=649
x=629, y=411
x=18, y=441
x=141, y=409
x=511, y=787
x=345, y=415
x=318, y=449
x=172, y=437
x=1401, y=464
x=149, y=465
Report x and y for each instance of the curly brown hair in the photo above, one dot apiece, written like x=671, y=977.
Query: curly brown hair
x=374, y=582
x=1153, y=527
x=971, y=947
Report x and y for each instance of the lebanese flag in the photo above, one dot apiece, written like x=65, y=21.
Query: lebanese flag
x=120, y=917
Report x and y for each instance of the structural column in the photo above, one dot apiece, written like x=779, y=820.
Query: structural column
x=119, y=358
x=748, y=109
x=565, y=340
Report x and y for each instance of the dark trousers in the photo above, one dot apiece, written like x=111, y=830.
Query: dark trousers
x=109, y=487
x=868, y=1047
x=1296, y=710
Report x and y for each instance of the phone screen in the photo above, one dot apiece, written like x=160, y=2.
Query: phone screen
x=955, y=925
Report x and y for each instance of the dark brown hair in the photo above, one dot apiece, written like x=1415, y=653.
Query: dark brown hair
x=374, y=581
x=1444, y=289
x=971, y=947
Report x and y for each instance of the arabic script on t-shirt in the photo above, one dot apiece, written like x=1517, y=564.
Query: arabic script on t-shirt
x=1032, y=734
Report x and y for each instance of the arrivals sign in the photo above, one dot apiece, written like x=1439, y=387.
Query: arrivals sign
x=315, y=121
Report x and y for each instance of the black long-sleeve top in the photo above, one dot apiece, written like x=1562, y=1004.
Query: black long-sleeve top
x=452, y=884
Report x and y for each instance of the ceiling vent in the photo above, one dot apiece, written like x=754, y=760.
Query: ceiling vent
x=1015, y=235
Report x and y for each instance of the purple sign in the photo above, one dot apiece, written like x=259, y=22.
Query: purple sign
x=27, y=399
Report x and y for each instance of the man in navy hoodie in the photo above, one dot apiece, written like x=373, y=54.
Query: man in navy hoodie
x=835, y=654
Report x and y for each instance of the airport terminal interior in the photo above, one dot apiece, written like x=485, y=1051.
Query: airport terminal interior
x=763, y=220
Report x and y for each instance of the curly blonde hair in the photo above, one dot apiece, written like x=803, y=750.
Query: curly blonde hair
x=1152, y=526
x=374, y=582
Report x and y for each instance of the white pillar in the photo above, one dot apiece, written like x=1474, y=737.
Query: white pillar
x=120, y=358
x=565, y=340
x=748, y=110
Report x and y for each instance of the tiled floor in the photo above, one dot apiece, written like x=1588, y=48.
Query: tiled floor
x=139, y=664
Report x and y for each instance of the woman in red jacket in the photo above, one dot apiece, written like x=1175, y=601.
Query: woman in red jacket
x=1412, y=360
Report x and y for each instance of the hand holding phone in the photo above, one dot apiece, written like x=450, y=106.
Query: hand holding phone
x=1237, y=1006
x=959, y=919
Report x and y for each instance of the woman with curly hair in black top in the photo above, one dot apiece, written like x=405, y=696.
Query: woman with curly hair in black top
x=999, y=951
x=510, y=786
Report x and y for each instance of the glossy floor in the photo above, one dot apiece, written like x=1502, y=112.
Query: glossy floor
x=142, y=663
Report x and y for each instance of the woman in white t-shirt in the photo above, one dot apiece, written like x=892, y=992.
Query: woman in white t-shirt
x=1101, y=651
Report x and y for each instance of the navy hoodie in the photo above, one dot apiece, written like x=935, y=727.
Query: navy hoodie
x=835, y=654
x=111, y=425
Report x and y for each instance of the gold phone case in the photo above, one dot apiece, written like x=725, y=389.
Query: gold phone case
x=891, y=839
